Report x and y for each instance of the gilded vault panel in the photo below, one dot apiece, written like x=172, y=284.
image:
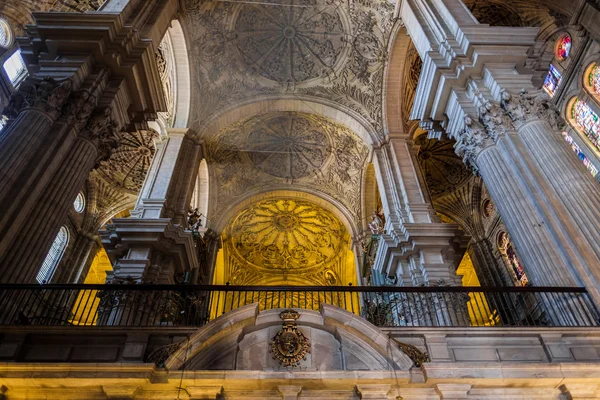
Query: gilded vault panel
x=326, y=49
x=273, y=240
x=287, y=150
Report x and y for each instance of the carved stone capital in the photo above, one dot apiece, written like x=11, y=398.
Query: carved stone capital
x=471, y=141
x=526, y=107
x=46, y=94
x=101, y=131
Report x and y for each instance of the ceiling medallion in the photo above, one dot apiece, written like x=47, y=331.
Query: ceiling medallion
x=289, y=345
x=288, y=146
x=287, y=235
x=291, y=41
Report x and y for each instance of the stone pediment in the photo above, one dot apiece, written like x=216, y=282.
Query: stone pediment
x=243, y=340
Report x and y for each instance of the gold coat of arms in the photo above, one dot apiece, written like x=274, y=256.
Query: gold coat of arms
x=289, y=345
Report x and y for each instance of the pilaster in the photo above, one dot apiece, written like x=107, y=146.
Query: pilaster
x=155, y=244
x=412, y=240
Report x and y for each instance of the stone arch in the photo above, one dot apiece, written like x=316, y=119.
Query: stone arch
x=394, y=111
x=239, y=340
x=305, y=104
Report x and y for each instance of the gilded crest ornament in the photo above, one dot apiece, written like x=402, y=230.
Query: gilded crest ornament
x=289, y=345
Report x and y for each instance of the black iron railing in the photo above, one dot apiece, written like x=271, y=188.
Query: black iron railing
x=194, y=305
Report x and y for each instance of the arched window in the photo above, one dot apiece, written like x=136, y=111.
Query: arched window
x=6, y=35
x=586, y=161
x=54, y=255
x=584, y=120
x=552, y=80
x=563, y=47
x=79, y=203
x=591, y=80
x=15, y=68
x=511, y=260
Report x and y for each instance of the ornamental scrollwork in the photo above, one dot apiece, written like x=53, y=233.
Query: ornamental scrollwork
x=289, y=346
x=417, y=356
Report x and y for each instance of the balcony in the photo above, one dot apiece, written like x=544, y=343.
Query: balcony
x=385, y=307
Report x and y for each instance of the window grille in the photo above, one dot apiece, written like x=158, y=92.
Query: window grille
x=54, y=255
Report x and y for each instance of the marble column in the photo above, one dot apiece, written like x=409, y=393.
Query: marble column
x=547, y=200
x=155, y=244
x=42, y=154
x=30, y=246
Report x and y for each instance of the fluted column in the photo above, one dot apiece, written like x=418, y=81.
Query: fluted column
x=490, y=270
x=29, y=247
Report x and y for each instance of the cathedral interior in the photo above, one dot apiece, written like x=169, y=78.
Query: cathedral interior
x=300, y=199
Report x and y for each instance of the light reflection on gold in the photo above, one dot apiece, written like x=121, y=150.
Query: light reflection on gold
x=286, y=242
x=480, y=313
x=86, y=306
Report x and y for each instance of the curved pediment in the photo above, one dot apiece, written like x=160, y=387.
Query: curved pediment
x=246, y=339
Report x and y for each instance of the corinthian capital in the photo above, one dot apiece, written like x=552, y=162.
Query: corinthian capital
x=45, y=94
x=526, y=107
x=101, y=131
x=471, y=141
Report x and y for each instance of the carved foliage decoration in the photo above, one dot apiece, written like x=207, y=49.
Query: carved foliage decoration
x=284, y=150
x=289, y=345
x=324, y=48
x=278, y=238
x=167, y=71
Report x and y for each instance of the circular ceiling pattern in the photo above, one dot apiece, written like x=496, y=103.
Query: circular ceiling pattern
x=290, y=41
x=288, y=146
x=128, y=165
x=287, y=235
x=442, y=168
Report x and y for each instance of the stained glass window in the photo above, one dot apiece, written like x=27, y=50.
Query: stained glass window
x=581, y=156
x=552, y=80
x=594, y=79
x=587, y=120
x=563, y=47
x=512, y=261
x=54, y=255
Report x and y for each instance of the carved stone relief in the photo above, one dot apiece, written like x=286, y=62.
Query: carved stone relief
x=323, y=48
x=128, y=165
x=287, y=150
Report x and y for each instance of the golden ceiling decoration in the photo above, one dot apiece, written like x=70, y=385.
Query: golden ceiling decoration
x=275, y=239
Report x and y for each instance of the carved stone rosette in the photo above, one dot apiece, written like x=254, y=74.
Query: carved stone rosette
x=289, y=345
